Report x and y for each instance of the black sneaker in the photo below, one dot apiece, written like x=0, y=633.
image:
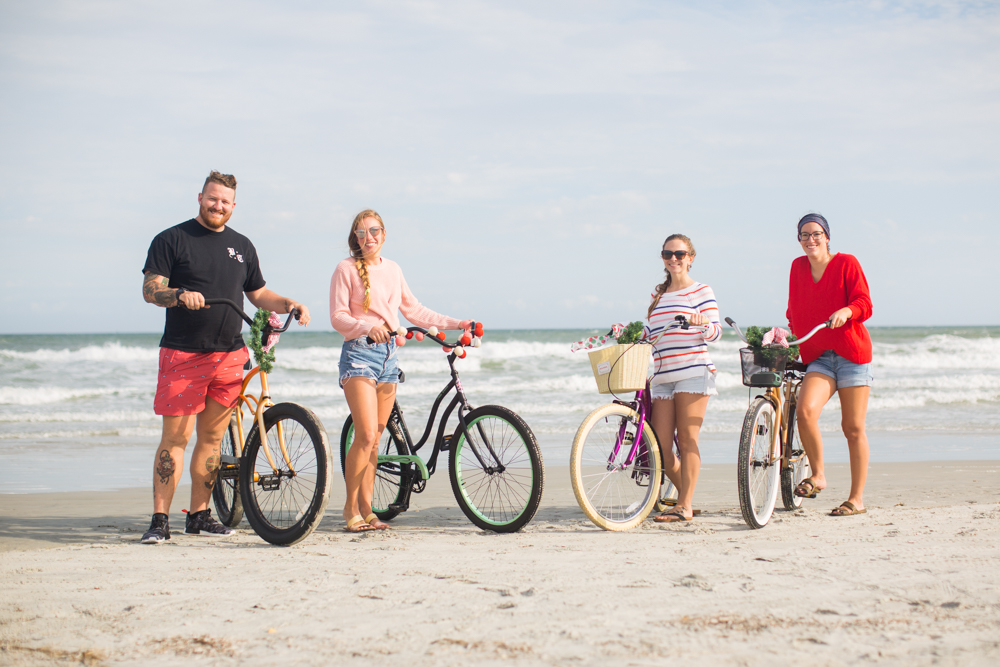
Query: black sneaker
x=159, y=530
x=202, y=524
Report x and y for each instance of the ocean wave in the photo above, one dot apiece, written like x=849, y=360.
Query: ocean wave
x=109, y=352
x=125, y=432
x=86, y=417
x=41, y=395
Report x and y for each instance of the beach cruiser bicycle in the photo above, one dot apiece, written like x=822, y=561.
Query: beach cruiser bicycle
x=275, y=457
x=769, y=442
x=494, y=461
x=615, y=463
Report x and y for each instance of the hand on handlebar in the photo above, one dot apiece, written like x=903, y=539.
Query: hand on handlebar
x=192, y=301
x=698, y=320
x=839, y=318
x=379, y=335
x=303, y=312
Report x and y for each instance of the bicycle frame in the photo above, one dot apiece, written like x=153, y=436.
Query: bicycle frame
x=790, y=383
x=261, y=401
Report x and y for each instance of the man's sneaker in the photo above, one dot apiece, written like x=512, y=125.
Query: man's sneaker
x=159, y=530
x=202, y=524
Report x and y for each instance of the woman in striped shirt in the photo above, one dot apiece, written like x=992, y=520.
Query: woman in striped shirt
x=685, y=375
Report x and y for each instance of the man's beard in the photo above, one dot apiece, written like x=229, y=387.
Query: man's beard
x=210, y=219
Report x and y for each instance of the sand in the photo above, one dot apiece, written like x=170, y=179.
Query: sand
x=916, y=581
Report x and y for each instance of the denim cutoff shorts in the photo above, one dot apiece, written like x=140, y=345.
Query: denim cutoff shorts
x=699, y=384
x=377, y=361
x=845, y=372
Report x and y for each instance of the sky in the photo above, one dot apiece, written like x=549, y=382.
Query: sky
x=528, y=158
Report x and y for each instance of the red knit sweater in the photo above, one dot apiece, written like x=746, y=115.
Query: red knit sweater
x=811, y=303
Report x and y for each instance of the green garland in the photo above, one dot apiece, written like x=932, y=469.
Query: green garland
x=631, y=334
x=755, y=339
x=264, y=359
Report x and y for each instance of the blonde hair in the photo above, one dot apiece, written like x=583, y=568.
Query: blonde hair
x=358, y=254
x=662, y=287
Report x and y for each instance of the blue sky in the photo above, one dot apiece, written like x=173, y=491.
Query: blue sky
x=528, y=158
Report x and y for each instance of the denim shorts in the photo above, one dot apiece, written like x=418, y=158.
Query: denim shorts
x=699, y=384
x=845, y=372
x=376, y=361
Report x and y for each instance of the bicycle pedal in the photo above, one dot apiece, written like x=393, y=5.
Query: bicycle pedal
x=446, y=443
x=396, y=507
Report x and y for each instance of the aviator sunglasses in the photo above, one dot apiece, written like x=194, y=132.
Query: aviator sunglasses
x=678, y=254
x=374, y=231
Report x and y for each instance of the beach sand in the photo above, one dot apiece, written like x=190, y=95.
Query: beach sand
x=915, y=581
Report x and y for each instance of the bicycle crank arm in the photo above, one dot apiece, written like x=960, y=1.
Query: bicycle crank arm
x=406, y=458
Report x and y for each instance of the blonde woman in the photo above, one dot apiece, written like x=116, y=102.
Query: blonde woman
x=366, y=292
x=685, y=374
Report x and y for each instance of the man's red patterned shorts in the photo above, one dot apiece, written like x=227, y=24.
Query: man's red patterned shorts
x=186, y=379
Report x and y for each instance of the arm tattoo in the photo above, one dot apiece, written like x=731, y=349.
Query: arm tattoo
x=166, y=467
x=155, y=290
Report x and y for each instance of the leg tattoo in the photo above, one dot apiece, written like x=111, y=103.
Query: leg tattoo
x=166, y=467
x=212, y=464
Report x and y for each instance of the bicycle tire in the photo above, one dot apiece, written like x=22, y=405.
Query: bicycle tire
x=226, y=492
x=757, y=479
x=612, y=496
x=793, y=474
x=388, y=476
x=286, y=508
x=502, y=501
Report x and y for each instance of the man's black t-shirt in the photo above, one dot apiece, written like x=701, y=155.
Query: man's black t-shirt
x=217, y=264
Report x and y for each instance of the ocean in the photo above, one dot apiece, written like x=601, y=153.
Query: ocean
x=76, y=409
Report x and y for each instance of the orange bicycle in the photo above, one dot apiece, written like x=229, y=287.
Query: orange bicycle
x=278, y=473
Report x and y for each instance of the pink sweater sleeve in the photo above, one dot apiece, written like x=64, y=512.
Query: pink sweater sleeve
x=341, y=285
x=420, y=315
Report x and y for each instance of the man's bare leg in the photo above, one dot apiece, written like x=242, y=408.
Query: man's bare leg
x=205, y=460
x=169, y=460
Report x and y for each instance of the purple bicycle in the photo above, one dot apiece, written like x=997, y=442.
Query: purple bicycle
x=615, y=462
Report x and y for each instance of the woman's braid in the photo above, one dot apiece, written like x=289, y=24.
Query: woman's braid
x=363, y=270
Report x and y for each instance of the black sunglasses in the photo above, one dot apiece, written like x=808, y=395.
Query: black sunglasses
x=679, y=254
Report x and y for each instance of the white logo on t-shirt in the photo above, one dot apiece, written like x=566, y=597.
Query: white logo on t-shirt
x=234, y=254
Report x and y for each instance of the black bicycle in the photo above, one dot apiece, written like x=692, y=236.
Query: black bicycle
x=495, y=464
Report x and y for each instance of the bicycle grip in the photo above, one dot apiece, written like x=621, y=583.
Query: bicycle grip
x=370, y=341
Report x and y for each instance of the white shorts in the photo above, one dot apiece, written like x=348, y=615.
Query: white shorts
x=699, y=384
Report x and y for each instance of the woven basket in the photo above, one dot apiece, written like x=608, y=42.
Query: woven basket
x=621, y=368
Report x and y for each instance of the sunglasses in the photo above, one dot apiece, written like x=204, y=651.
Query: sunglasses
x=374, y=231
x=677, y=254
x=816, y=236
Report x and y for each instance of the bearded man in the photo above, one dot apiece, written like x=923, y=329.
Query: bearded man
x=202, y=352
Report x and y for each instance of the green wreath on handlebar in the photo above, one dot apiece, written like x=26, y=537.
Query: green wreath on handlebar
x=264, y=359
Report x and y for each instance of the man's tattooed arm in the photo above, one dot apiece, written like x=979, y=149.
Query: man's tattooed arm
x=155, y=290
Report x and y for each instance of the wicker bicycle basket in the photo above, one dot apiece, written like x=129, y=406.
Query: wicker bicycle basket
x=621, y=368
x=759, y=371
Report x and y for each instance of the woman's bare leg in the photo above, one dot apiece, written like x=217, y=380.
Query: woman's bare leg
x=663, y=421
x=814, y=393
x=690, y=414
x=362, y=399
x=854, y=410
x=385, y=396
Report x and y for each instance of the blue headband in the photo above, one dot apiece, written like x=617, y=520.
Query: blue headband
x=818, y=219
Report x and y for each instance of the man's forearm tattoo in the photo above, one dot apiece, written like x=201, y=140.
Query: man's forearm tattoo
x=212, y=464
x=166, y=467
x=155, y=290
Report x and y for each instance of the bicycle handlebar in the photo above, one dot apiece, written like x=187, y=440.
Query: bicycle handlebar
x=809, y=335
x=246, y=318
x=438, y=337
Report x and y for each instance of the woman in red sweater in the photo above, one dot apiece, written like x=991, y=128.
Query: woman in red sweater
x=825, y=286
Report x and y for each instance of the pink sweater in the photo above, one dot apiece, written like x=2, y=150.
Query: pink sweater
x=390, y=294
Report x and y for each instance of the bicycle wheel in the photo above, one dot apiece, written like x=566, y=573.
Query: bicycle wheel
x=613, y=495
x=757, y=475
x=497, y=476
x=226, y=492
x=388, y=476
x=283, y=506
x=798, y=469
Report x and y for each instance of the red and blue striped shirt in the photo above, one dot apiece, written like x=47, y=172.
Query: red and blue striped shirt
x=683, y=353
